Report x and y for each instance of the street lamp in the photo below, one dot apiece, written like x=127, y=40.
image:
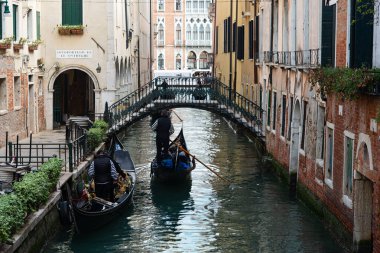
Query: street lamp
x=6, y=7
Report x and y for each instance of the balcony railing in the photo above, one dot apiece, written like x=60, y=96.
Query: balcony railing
x=160, y=43
x=301, y=58
x=178, y=43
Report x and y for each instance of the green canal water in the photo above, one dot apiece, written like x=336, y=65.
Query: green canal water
x=253, y=213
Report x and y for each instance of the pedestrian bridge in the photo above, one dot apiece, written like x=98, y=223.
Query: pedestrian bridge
x=203, y=93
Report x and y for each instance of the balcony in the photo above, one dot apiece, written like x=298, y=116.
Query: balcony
x=300, y=59
x=160, y=43
x=178, y=43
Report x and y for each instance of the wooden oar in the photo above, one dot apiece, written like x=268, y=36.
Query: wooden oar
x=177, y=116
x=213, y=171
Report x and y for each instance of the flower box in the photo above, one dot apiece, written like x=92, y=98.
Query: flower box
x=32, y=47
x=78, y=31
x=70, y=30
x=5, y=46
x=18, y=46
x=64, y=31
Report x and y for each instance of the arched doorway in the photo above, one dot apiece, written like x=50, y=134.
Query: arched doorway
x=363, y=200
x=73, y=96
x=294, y=147
x=191, y=60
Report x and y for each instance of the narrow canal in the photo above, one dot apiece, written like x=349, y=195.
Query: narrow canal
x=254, y=213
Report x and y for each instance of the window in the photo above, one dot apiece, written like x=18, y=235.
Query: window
x=208, y=33
x=188, y=32
x=29, y=27
x=201, y=33
x=361, y=33
x=15, y=22
x=195, y=5
x=290, y=118
x=72, y=13
x=160, y=62
x=161, y=34
x=201, y=6
x=178, y=33
x=191, y=60
x=178, y=5
x=203, y=60
x=320, y=133
x=216, y=39
x=328, y=34
x=304, y=125
x=240, y=49
x=250, y=40
x=161, y=5
x=3, y=94
x=234, y=37
x=38, y=22
x=348, y=165
x=329, y=152
x=195, y=32
x=269, y=108
x=274, y=110
x=188, y=6
x=178, y=61
x=283, y=113
x=17, y=91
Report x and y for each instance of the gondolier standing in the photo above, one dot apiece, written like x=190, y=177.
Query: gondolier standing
x=104, y=172
x=163, y=128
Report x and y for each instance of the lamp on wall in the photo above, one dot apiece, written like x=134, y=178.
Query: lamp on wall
x=6, y=7
x=98, y=68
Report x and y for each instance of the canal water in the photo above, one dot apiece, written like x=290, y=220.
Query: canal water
x=251, y=213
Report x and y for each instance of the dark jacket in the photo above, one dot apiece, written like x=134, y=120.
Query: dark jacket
x=102, y=169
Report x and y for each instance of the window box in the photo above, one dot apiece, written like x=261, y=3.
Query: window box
x=34, y=45
x=6, y=43
x=17, y=46
x=70, y=30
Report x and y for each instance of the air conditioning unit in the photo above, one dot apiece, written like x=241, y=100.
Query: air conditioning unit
x=246, y=13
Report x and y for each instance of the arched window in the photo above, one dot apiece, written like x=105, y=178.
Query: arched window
x=201, y=6
x=161, y=62
x=188, y=32
x=161, y=34
x=178, y=61
x=178, y=5
x=208, y=32
x=117, y=67
x=195, y=32
x=178, y=32
x=191, y=60
x=201, y=33
x=203, y=60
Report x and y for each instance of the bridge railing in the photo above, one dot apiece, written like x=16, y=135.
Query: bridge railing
x=189, y=91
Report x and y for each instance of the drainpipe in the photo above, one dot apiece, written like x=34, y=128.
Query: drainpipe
x=214, y=49
x=271, y=41
x=151, y=44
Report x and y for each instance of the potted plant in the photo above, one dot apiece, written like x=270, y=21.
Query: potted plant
x=6, y=43
x=70, y=29
x=34, y=45
x=20, y=44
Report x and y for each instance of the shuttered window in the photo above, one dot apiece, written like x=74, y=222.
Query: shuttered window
x=348, y=166
x=304, y=125
x=257, y=38
x=274, y=110
x=15, y=23
x=225, y=36
x=72, y=13
x=269, y=108
x=240, y=49
x=361, y=34
x=216, y=39
x=38, y=22
x=283, y=107
x=229, y=30
x=328, y=34
x=234, y=37
x=250, y=41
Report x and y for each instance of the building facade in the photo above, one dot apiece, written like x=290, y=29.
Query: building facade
x=21, y=81
x=182, y=35
x=97, y=53
x=270, y=51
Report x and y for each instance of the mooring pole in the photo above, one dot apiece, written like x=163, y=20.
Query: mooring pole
x=6, y=146
x=30, y=147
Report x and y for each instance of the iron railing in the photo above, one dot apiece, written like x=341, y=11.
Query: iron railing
x=205, y=92
x=301, y=58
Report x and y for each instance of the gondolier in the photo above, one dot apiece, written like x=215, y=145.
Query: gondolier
x=105, y=172
x=163, y=128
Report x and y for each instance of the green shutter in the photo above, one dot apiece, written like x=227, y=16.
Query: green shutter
x=328, y=34
x=72, y=12
x=349, y=152
x=38, y=22
x=15, y=22
x=361, y=34
x=269, y=105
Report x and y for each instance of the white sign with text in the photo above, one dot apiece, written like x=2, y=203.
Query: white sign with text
x=73, y=54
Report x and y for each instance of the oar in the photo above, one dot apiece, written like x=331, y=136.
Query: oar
x=177, y=115
x=213, y=171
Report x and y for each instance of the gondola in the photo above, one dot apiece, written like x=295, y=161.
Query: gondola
x=176, y=166
x=91, y=212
